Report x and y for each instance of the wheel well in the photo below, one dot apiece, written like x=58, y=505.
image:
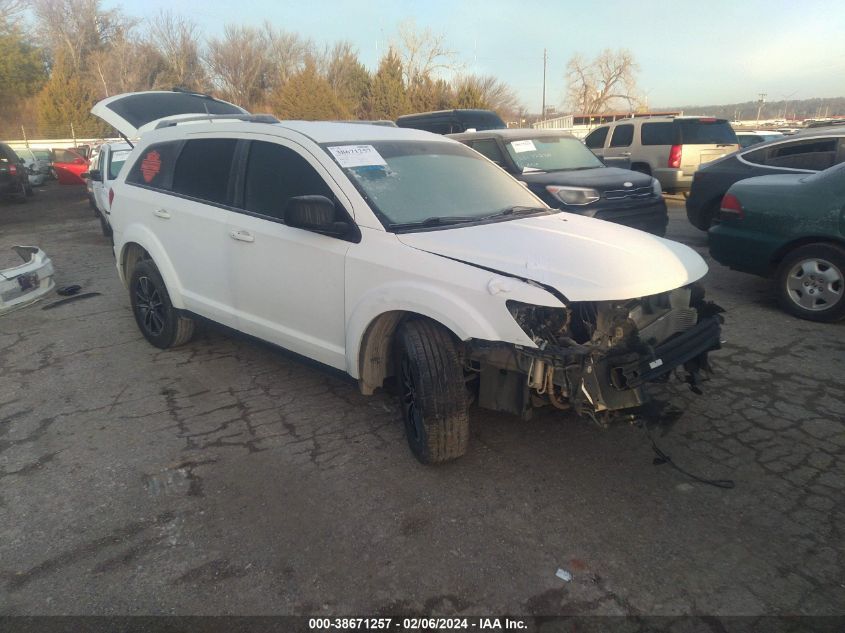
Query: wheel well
x=782, y=252
x=132, y=254
x=641, y=167
x=375, y=360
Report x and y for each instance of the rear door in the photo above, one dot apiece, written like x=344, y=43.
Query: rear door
x=184, y=189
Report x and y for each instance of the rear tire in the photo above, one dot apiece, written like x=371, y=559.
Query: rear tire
x=432, y=392
x=155, y=315
x=811, y=282
x=704, y=219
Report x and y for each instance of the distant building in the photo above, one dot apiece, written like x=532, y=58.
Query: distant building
x=580, y=124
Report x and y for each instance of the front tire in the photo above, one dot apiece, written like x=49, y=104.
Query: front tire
x=155, y=315
x=811, y=282
x=432, y=392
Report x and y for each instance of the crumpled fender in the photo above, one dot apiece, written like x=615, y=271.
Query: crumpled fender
x=472, y=307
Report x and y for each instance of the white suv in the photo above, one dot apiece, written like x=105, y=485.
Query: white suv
x=395, y=253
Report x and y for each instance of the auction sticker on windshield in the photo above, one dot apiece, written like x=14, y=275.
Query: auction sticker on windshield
x=357, y=155
x=523, y=146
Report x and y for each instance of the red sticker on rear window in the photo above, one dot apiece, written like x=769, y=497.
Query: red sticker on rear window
x=151, y=165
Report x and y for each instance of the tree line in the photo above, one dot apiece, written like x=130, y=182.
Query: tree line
x=59, y=57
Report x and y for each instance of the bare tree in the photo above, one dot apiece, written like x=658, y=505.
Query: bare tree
x=424, y=54
x=11, y=12
x=130, y=64
x=78, y=27
x=239, y=65
x=176, y=38
x=249, y=63
x=287, y=54
x=488, y=92
x=597, y=85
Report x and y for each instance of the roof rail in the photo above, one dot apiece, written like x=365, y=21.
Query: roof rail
x=251, y=118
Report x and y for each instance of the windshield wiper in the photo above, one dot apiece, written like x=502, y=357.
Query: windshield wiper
x=464, y=219
x=515, y=210
x=435, y=221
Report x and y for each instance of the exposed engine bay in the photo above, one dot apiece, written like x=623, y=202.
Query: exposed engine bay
x=595, y=357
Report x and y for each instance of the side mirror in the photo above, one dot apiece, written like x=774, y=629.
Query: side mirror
x=93, y=174
x=78, y=161
x=314, y=213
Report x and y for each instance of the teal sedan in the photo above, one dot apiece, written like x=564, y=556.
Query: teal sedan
x=790, y=227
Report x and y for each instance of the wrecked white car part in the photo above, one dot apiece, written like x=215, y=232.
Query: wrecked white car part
x=27, y=283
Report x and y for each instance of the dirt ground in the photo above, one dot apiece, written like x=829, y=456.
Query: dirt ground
x=229, y=477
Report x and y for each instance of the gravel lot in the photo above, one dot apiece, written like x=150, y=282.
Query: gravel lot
x=228, y=477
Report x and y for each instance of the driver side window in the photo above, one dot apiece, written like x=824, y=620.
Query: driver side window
x=274, y=175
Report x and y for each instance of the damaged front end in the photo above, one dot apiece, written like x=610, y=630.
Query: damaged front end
x=28, y=282
x=596, y=357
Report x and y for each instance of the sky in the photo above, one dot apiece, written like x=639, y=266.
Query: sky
x=690, y=53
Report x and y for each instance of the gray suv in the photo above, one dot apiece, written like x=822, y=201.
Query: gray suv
x=668, y=148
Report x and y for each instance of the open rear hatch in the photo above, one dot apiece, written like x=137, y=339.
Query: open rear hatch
x=133, y=113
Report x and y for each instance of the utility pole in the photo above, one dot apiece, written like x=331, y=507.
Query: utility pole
x=760, y=106
x=543, y=113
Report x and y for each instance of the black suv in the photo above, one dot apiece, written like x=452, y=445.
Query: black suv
x=452, y=121
x=806, y=152
x=559, y=169
x=14, y=175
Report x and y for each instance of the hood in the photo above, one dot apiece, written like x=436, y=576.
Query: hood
x=133, y=113
x=582, y=258
x=601, y=178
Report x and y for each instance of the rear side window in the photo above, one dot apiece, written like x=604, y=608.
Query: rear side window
x=622, y=135
x=274, y=175
x=596, y=138
x=203, y=169
x=815, y=154
x=489, y=148
x=705, y=132
x=154, y=166
x=658, y=134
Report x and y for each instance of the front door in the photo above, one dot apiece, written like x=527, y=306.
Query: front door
x=288, y=283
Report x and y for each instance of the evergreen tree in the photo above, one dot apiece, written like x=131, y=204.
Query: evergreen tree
x=308, y=96
x=388, y=98
x=67, y=99
x=22, y=68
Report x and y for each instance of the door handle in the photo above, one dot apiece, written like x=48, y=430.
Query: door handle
x=162, y=213
x=242, y=236
x=625, y=154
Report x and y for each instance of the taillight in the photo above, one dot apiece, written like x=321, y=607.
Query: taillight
x=675, y=156
x=13, y=169
x=731, y=208
x=111, y=197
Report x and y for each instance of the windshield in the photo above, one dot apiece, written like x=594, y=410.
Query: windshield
x=551, y=154
x=409, y=182
x=117, y=160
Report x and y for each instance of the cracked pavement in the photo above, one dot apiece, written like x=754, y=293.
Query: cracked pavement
x=229, y=477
